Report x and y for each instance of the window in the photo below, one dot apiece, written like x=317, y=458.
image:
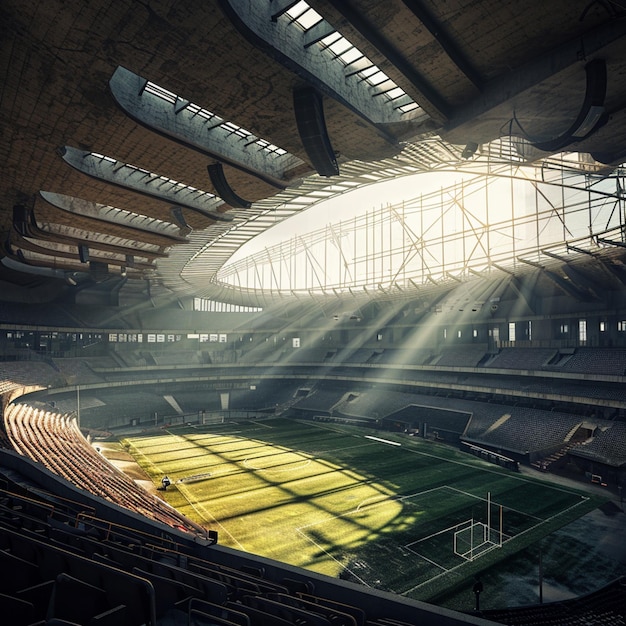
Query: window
x=511, y=331
x=582, y=331
x=295, y=342
x=445, y=333
x=529, y=330
x=621, y=326
x=564, y=329
x=475, y=333
x=602, y=327
x=458, y=334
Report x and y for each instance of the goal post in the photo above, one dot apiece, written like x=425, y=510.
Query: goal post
x=473, y=538
x=470, y=541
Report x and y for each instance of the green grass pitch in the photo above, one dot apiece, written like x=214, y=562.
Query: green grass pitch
x=375, y=507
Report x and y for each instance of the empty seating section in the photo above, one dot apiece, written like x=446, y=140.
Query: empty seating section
x=197, y=400
x=29, y=374
x=352, y=355
x=517, y=429
x=308, y=355
x=609, y=361
x=116, y=407
x=320, y=400
x=190, y=357
x=607, y=446
x=522, y=358
x=264, y=352
x=405, y=357
x=461, y=356
x=55, y=441
x=77, y=371
x=523, y=430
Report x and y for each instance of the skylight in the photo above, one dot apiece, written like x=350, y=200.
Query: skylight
x=174, y=186
x=305, y=17
x=229, y=127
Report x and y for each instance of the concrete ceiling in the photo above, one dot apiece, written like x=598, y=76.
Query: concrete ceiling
x=479, y=69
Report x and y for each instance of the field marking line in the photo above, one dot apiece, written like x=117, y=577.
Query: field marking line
x=494, y=503
x=386, y=498
x=510, y=474
x=523, y=532
x=330, y=556
x=205, y=514
x=381, y=440
x=332, y=430
x=307, y=462
x=394, y=498
x=361, y=445
x=424, y=558
x=466, y=523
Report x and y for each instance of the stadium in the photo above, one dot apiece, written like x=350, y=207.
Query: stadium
x=313, y=313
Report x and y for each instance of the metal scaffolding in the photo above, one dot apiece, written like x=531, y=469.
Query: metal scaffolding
x=492, y=217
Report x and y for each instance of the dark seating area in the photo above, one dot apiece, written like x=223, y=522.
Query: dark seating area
x=523, y=430
x=607, y=446
x=608, y=361
x=602, y=607
x=461, y=356
x=19, y=374
x=320, y=400
x=522, y=358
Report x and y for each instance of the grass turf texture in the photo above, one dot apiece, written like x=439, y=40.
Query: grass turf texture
x=328, y=498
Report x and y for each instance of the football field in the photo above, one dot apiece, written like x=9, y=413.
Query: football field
x=386, y=510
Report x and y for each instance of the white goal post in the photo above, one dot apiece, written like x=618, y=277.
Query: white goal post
x=474, y=538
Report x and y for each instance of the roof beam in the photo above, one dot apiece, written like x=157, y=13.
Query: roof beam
x=447, y=43
x=512, y=83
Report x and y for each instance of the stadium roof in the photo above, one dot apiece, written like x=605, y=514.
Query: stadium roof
x=149, y=141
